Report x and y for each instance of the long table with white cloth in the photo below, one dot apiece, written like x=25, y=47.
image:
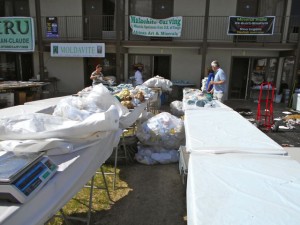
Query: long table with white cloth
x=74, y=171
x=75, y=167
x=223, y=131
x=243, y=189
x=236, y=173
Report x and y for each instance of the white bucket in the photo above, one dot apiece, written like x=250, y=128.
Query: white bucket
x=278, y=98
x=286, y=93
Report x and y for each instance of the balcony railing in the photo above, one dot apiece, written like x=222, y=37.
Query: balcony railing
x=94, y=28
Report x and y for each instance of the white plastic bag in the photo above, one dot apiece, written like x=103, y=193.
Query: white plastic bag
x=151, y=155
x=103, y=99
x=176, y=108
x=71, y=108
x=163, y=130
x=159, y=82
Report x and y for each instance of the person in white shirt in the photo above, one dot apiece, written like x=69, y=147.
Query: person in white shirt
x=138, y=76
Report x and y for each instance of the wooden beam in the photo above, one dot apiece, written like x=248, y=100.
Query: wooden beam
x=39, y=38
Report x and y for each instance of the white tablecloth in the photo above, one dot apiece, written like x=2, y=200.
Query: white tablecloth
x=75, y=170
x=216, y=105
x=46, y=102
x=243, y=189
x=222, y=131
x=24, y=109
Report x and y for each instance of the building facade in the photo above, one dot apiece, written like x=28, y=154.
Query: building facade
x=246, y=59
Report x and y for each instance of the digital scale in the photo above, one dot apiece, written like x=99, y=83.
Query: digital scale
x=22, y=175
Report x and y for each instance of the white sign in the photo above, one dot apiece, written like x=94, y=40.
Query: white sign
x=77, y=49
x=145, y=26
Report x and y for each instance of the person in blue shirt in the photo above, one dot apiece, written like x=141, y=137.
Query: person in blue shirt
x=210, y=78
x=218, y=82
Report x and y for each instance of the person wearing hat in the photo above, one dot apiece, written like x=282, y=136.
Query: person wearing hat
x=218, y=82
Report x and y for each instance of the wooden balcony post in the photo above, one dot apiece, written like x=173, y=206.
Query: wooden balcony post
x=39, y=38
x=118, y=38
x=204, y=45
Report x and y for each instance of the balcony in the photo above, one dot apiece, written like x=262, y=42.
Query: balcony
x=96, y=28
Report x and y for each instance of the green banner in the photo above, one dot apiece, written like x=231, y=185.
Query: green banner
x=145, y=26
x=16, y=34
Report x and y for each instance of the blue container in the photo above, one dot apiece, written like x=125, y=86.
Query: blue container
x=163, y=98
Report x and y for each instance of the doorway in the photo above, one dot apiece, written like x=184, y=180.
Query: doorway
x=239, y=77
x=162, y=66
x=108, y=64
x=99, y=16
x=248, y=74
x=153, y=65
x=92, y=19
x=26, y=67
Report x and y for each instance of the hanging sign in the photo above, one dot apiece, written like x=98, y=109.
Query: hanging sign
x=145, y=26
x=52, y=27
x=251, y=25
x=16, y=34
x=77, y=50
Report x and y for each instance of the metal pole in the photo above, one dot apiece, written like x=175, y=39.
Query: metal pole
x=39, y=38
x=204, y=46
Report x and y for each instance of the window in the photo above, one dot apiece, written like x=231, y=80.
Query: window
x=7, y=66
x=158, y=9
x=295, y=17
x=15, y=66
x=14, y=8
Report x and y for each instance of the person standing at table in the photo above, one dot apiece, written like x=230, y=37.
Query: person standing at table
x=210, y=78
x=138, y=76
x=218, y=82
x=97, y=76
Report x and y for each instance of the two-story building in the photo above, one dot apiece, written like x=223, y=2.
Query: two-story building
x=246, y=59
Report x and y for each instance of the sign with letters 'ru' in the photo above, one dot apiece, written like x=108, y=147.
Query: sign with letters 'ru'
x=16, y=34
x=145, y=26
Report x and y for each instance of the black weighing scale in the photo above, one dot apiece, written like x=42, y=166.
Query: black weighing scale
x=22, y=175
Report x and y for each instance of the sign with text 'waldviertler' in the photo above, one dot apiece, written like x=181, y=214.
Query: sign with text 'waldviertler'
x=145, y=26
x=16, y=34
x=251, y=25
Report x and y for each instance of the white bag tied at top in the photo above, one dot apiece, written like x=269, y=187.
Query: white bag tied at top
x=176, y=108
x=159, y=82
x=163, y=130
